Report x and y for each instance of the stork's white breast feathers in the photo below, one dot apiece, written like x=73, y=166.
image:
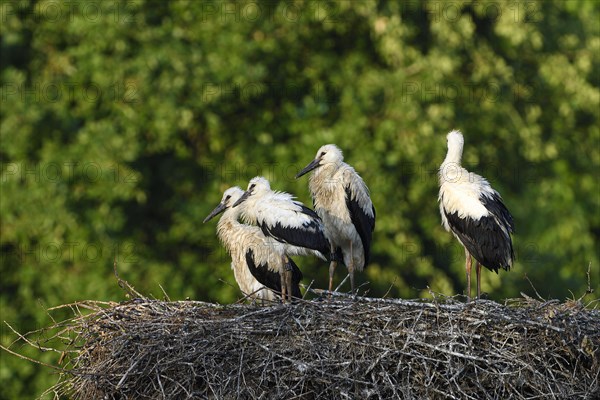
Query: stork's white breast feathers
x=462, y=196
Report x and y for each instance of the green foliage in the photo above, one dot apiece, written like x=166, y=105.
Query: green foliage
x=122, y=122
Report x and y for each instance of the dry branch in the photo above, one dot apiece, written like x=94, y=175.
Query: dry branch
x=340, y=348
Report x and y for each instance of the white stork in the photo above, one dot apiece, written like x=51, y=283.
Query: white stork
x=342, y=200
x=257, y=261
x=474, y=212
x=284, y=219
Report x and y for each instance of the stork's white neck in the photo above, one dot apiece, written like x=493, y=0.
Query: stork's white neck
x=323, y=179
x=450, y=170
x=230, y=217
x=454, y=155
x=327, y=170
x=249, y=208
x=229, y=227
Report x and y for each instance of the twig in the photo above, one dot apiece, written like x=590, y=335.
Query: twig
x=533, y=287
x=124, y=284
x=341, y=283
x=31, y=359
x=589, y=289
x=167, y=298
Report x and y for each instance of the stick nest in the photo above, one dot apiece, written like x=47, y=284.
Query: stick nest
x=331, y=349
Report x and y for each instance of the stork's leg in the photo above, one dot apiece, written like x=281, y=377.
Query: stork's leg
x=351, y=269
x=478, y=273
x=283, y=291
x=288, y=278
x=290, y=284
x=332, y=266
x=468, y=268
x=351, y=273
x=283, y=278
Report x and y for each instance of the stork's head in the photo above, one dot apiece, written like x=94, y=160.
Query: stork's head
x=257, y=185
x=230, y=196
x=455, y=139
x=329, y=154
x=455, y=143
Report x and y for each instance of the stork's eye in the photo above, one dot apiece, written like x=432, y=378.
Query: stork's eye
x=252, y=186
x=227, y=198
x=323, y=153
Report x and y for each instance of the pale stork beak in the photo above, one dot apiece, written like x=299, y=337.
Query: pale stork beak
x=313, y=164
x=218, y=210
x=241, y=199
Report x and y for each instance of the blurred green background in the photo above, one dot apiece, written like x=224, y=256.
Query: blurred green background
x=122, y=122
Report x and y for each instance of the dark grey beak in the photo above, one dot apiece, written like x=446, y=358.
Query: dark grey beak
x=313, y=164
x=241, y=199
x=218, y=210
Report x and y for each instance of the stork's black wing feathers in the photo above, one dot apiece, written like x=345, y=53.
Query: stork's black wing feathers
x=307, y=211
x=364, y=224
x=309, y=235
x=296, y=278
x=484, y=239
x=271, y=279
x=262, y=273
x=496, y=207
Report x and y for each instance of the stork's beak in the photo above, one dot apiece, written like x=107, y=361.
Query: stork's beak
x=313, y=164
x=218, y=210
x=241, y=199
